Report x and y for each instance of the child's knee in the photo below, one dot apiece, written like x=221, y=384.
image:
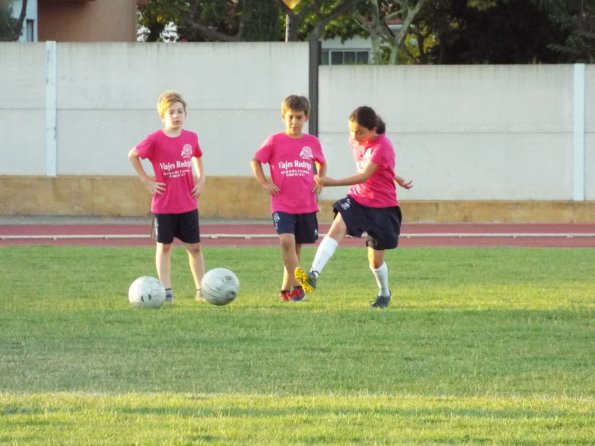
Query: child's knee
x=193, y=249
x=164, y=247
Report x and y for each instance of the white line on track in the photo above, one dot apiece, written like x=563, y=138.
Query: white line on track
x=265, y=236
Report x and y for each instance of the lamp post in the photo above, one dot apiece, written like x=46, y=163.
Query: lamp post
x=290, y=4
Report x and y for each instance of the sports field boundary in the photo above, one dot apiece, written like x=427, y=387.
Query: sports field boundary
x=250, y=233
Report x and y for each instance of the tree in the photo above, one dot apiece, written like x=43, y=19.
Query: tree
x=576, y=18
x=426, y=31
x=376, y=18
x=504, y=31
x=154, y=17
x=213, y=20
x=308, y=19
x=11, y=28
x=243, y=20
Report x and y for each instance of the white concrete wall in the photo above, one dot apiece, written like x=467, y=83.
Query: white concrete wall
x=22, y=109
x=462, y=132
x=233, y=93
x=107, y=94
x=590, y=132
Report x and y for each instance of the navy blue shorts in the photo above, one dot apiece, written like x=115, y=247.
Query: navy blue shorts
x=303, y=226
x=184, y=226
x=383, y=225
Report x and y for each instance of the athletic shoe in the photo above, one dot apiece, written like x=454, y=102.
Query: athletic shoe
x=306, y=280
x=169, y=296
x=381, y=302
x=198, y=296
x=297, y=294
x=284, y=295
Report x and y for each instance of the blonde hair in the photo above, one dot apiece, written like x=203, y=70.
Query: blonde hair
x=297, y=103
x=166, y=99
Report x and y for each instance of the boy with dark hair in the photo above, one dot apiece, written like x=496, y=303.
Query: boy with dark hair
x=292, y=157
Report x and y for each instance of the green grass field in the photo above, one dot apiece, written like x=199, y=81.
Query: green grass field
x=479, y=347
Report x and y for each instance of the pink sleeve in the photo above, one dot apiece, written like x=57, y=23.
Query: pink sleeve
x=319, y=154
x=380, y=156
x=263, y=154
x=145, y=147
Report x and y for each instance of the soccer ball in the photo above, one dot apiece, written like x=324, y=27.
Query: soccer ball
x=219, y=286
x=146, y=292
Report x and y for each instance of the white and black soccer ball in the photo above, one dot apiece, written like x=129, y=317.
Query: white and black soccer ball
x=146, y=292
x=220, y=286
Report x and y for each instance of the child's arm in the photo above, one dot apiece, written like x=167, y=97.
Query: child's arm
x=358, y=178
x=403, y=183
x=320, y=172
x=153, y=186
x=199, y=182
x=267, y=185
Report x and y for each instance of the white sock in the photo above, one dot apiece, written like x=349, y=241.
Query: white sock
x=325, y=251
x=381, y=275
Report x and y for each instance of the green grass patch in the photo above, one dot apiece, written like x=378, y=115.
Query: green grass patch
x=479, y=346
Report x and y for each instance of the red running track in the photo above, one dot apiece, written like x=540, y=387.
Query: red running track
x=262, y=234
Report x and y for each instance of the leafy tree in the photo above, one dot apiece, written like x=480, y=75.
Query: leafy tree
x=308, y=19
x=429, y=31
x=504, y=31
x=376, y=18
x=156, y=15
x=262, y=21
x=509, y=32
x=213, y=20
x=243, y=20
x=576, y=19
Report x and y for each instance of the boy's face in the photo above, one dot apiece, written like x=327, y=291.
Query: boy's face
x=174, y=116
x=294, y=122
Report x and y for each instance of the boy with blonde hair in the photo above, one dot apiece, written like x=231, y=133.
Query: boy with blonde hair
x=173, y=152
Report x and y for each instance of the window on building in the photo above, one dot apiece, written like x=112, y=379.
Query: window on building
x=30, y=30
x=344, y=57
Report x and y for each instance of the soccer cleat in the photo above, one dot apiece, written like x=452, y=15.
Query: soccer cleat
x=381, y=302
x=198, y=296
x=169, y=295
x=284, y=295
x=297, y=294
x=306, y=280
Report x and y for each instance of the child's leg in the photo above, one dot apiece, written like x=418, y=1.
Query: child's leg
x=380, y=270
x=163, y=263
x=328, y=245
x=290, y=255
x=325, y=251
x=196, y=262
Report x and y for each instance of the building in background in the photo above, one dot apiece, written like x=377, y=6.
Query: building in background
x=349, y=52
x=29, y=31
x=78, y=20
x=354, y=51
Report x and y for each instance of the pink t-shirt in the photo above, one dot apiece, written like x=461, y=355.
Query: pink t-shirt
x=379, y=191
x=291, y=162
x=172, y=163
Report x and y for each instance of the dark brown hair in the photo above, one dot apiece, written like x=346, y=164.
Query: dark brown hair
x=367, y=117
